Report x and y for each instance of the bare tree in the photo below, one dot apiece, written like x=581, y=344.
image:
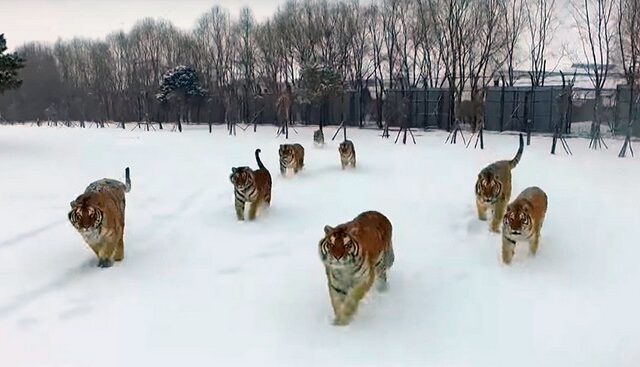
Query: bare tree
x=541, y=25
x=628, y=30
x=361, y=61
x=375, y=34
x=595, y=22
x=246, y=61
x=432, y=47
x=514, y=22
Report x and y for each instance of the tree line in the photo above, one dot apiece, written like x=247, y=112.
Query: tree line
x=241, y=65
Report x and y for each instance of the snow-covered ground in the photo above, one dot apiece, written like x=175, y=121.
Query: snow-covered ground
x=198, y=288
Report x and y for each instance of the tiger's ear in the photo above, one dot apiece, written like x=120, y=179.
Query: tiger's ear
x=73, y=203
x=327, y=229
x=234, y=169
x=353, y=231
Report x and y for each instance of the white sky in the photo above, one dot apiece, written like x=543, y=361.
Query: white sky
x=47, y=20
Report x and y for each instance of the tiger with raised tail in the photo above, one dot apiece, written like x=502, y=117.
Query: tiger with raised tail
x=523, y=221
x=291, y=158
x=493, y=188
x=347, y=154
x=98, y=215
x=253, y=187
x=355, y=254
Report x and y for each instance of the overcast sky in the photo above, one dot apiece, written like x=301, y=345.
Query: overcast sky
x=46, y=20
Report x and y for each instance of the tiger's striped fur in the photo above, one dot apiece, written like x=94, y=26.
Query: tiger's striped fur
x=523, y=221
x=493, y=188
x=98, y=215
x=291, y=158
x=347, y=154
x=318, y=138
x=253, y=187
x=354, y=255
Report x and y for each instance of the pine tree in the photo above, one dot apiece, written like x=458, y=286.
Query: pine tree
x=182, y=83
x=319, y=83
x=10, y=63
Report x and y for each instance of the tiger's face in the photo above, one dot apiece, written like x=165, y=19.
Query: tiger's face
x=84, y=216
x=286, y=151
x=517, y=220
x=344, y=148
x=338, y=248
x=241, y=177
x=488, y=188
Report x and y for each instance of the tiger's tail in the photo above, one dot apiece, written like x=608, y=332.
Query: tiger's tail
x=258, y=159
x=514, y=162
x=127, y=180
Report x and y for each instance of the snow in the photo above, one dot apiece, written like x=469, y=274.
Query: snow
x=197, y=287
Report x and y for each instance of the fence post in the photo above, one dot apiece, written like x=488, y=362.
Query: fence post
x=502, y=106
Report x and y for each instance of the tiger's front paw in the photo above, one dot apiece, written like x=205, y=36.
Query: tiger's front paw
x=382, y=286
x=105, y=263
x=340, y=321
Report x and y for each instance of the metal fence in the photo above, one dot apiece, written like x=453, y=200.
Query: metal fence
x=538, y=109
x=426, y=108
x=627, y=108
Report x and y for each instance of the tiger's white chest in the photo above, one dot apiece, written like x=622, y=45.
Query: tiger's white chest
x=92, y=236
x=288, y=172
x=342, y=277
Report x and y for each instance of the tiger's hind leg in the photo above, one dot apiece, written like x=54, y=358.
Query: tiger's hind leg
x=387, y=262
x=106, y=253
x=119, y=255
x=533, y=244
x=353, y=298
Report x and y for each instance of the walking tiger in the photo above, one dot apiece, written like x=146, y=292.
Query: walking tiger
x=253, y=187
x=347, y=154
x=523, y=221
x=98, y=215
x=354, y=254
x=291, y=158
x=493, y=188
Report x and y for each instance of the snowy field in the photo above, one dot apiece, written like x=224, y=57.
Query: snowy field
x=199, y=288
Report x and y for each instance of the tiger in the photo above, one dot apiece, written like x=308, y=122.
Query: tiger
x=98, y=215
x=347, y=154
x=291, y=158
x=253, y=187
x=318, y=138
x=523, y=221
x=493, y=188
x=354, y=254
